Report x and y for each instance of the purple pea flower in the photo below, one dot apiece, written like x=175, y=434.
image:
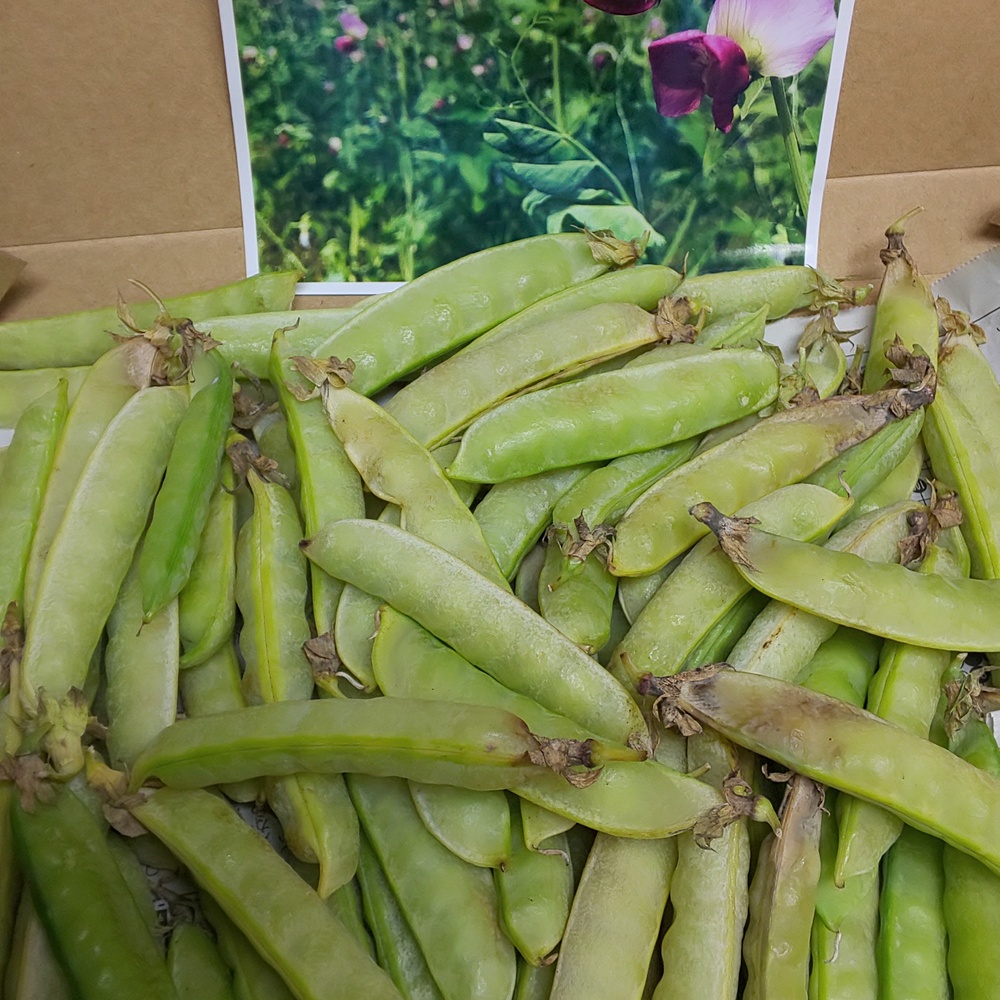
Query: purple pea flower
x=767, y=37
x=623, y=6
x=352, y=25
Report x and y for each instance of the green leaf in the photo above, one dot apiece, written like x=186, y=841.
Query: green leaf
x=626, y=222
x=420, y=130
x=564, y=178
x=521, y=139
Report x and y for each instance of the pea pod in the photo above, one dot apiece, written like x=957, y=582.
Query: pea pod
x=474, y=825
x=534, y=982
x=898, y=485
x=735, y=329
x=97, y=933
x=313, y=952
x=406, y=328
x=196, y=967
x=843, y=666
x=33, y=973
x=20, y=389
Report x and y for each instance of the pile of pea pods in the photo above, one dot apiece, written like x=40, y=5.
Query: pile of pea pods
x=577, y=644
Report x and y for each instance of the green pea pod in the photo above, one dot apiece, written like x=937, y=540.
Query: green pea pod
x=538, y=825
x=843, y=666
x=545, y=341
x=95, y=929
x=398, y=950
x=621, y=898
x=783, y=897
x=898, y=485
x=720, y=639
x=528, y=575
x=137, y=881
x=406, y=328
x=616, y=413
x=270, y=431
x=450, y=906
x=483, y=622
x=579, y=607
x=81, y=338
x=346, y=905
x=22, y=486
x=741, y=329
x=87, y=563
x=140, y=672
x=635, y=592
x=181, y=506
x=905, y=308
x=912, y=949
x=792, y=443
x=535, y=892
x=850, y=750
x=473, y=825
x=283, y=917
x=34, y=972
x=20, y=389
x=534, y=982
x=10, y=875
x=824, y=366
x=196, y=967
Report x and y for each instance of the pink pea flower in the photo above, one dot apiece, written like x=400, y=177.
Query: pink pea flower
x=623, y=6
x=345, y=44
x=351, y=24
x=767, y=37
x=463, y=43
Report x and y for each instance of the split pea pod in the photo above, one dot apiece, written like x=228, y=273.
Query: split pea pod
x=283, y=917
x=20, y=389
x=451, y=305
x=449, y=395
x=22, y=486
x=181, y=506
x=777, y=451
x=81, y=338
x=616, y=413
x=850, y=750
x=482, y=621
x=80, y=580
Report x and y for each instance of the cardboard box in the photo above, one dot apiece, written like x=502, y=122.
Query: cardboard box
x=118, y=157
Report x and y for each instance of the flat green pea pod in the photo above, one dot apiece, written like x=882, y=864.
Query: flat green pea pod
x=846, y=748
x=347, y=907
x=898, y=485
x=270, y=431
x=482, y=621
x=783, y=639
x=528, y=575
x=329, y=485
x=450, y=906
x=34, y=972
x=844, y=588
x=474, y=825
x=97, y=933
x=635, y=592
x=788, y=447
x=534, y=982
x=616, y=413
x=781, y=289
x=22, y=486
x=905, y=691
x=621, y=898
x=196, y=967
x=905, y=309
x=398, y=950
x=538, y=825
x=87, y=563
x=451, y=305
x=705, y=586
x=141, y=667
x=708, y=894
x=109, y=384
x=81, y=338
x=741, y=329
x=843, y=666
x=283, y=917
x=192, y=473
x=535, y=890
x=912, y=949
x=580, y=607
x=453, y=392
x=20, y=389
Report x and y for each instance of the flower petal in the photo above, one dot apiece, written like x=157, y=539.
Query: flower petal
x=623, y=6
x=779, y=37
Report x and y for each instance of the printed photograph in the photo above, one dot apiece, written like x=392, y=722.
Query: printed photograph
x=388, y=137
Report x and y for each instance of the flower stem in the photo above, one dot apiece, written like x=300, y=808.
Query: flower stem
x=791, y=144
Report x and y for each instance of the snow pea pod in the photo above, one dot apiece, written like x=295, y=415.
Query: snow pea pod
x=843, y=666
x=88, y=560
x=22, y=486
x=449, y=395
x=81, y=338
x=283, y=917
x=196, y=967
x=534, y=982
x=635, y=592
x=20, y=389
x=580, y=607
x=850, y=750
x=740, y=329
x=942, y=613
x=473, y=824
x=485, y=623
x=451, y=305
x=898, y=485
x=779, y=450
x=615, y=413
x=96, y=931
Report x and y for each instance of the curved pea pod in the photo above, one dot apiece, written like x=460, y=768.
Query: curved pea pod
x=635, y=592
x=705, y=586
x=20, y=389
x=398, y=950
x=482, y=621
x=898, y=485
x=848, y=749
x=782, y=640
x=621, y=898
x=538, y=825
x=912, y=950
x=284, y=919
x=450, y=906
x=579, y=607
x=843, y=666
x=615, y=413
x=777, y=451
x=844, y=588
x=22, y=485
x=97, y=933
x=824, y=365
x=451, y=305
x=474, y=825
x=741, y=329
x=905, y=309
x=545, y=342
x=33, y=973
x=88, y=561
x=196, y=967
x=528, y=575
x=347, y=907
